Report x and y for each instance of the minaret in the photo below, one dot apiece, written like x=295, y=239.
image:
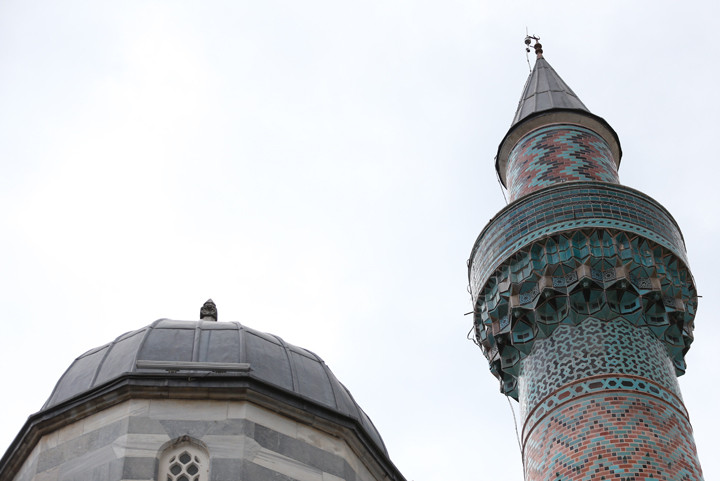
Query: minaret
x=583, y=300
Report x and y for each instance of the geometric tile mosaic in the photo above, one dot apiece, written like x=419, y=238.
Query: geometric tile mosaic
x=595, y=347
x=596, y=356
x=560, y=153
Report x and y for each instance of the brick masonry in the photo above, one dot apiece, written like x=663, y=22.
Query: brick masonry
x=555, y=154
x=620, y=436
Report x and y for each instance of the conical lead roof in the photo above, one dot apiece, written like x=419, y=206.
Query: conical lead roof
x=545, y=90
x=546, y=100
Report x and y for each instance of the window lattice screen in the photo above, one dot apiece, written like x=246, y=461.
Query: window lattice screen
x=184, y=462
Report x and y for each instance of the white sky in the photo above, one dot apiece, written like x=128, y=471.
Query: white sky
x=321, y=170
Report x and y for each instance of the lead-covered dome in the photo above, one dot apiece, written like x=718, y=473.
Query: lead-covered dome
x=224, y=352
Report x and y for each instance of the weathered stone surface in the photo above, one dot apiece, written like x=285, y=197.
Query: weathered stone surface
x=72, y=448
x=139, y=468
x=224, y=469
x=94, y=465
x=254, y=471
x=145, y=425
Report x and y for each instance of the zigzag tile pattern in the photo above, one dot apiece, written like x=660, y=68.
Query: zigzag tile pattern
x=616, y=436
x=597, y=384
x=556, y=154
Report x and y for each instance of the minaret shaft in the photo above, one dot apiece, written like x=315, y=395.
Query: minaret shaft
x=609, y=407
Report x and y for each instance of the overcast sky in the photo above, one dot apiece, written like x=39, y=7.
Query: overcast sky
x=321, y=170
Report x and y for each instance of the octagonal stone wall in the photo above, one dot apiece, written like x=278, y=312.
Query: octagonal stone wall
x=243, y=440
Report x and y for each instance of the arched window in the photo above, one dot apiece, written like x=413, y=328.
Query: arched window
x=184, y=460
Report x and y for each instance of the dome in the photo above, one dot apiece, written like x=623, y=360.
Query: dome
x=224, y=351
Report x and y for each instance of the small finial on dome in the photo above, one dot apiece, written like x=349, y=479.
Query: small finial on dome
x=208, y=311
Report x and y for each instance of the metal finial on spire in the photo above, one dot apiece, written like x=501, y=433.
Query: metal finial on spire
x=208, y=311
x=538, y=46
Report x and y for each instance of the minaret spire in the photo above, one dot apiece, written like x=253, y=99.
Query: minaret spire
x=546, y=100
x=545, y=90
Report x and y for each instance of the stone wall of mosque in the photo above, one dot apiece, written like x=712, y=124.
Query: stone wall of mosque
x=193, y=440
